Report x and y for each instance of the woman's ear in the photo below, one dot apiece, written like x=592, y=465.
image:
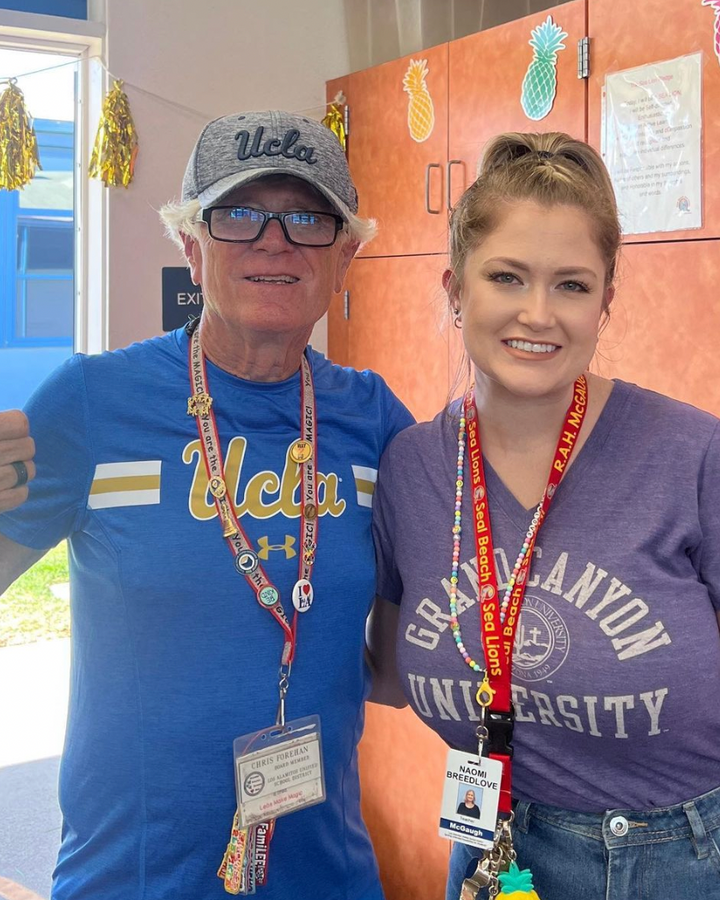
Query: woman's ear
x=608, y=299
x=452, y=289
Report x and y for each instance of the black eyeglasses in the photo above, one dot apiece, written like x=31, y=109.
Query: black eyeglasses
x=245, y=224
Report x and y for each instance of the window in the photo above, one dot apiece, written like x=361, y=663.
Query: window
x=41, y=277
x=74, y=9
x=37, y=231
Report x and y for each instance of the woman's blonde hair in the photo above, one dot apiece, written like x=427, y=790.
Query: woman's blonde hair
x=550, y=169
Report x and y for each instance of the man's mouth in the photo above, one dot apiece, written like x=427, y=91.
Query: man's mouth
x=272, y=279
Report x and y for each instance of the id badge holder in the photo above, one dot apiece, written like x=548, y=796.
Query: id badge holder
x=279, y=770
x=471, y=796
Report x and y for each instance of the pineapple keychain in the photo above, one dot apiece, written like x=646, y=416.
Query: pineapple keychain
x=499, y=614
x=516, y=884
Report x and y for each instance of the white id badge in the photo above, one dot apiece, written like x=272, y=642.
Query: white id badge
x=278, y=770
x=470, y=799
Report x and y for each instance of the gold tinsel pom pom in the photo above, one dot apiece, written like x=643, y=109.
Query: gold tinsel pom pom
x=335, y=122
x=116, y=144
x=18, y=144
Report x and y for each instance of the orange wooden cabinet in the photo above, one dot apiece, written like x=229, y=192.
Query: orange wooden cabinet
x=401, y=767
x=486, y=78
x=627, y=35
x=666, y=320
x=397, y=326
x=418, y=124
x=397, y=151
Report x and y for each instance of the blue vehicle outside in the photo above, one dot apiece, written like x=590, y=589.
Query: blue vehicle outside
x=37, y=287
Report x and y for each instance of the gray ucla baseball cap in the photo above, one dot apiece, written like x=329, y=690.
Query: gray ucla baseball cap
x=239, y=148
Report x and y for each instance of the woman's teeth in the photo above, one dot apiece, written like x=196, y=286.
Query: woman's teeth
x=532, y=348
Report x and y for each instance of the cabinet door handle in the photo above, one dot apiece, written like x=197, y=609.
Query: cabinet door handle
x=428, y=208
x=451, y=163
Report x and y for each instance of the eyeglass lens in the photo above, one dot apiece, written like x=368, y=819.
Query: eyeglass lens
x=243, y=223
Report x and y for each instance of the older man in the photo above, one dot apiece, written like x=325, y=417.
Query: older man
x=215, y=485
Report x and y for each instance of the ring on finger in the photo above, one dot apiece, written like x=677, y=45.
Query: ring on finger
x=21, y=472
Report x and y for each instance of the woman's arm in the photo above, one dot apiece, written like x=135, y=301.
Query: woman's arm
x=381, y=655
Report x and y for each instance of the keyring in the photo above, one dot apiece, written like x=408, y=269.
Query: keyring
x=22, y=473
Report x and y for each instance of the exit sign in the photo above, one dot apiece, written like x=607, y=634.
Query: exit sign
x=181, y=299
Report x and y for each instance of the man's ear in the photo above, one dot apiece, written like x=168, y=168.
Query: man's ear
x=193, y=255
x=346, y=255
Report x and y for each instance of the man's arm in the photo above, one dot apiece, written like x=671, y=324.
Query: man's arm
x=14, y=560
x=16, y=446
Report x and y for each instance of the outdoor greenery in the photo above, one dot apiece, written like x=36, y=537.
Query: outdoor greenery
x=29, y=610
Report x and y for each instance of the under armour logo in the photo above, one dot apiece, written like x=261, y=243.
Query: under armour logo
x=266, y=547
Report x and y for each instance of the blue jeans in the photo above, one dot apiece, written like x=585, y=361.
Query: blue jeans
x=669, y=853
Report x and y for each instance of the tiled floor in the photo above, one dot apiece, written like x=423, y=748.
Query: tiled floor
x=33, y=704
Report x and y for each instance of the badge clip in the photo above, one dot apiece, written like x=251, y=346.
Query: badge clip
x=500, y=725
x=485, y=694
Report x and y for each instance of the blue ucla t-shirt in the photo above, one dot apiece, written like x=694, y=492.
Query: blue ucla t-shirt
x=616, y=664
x=173, y=657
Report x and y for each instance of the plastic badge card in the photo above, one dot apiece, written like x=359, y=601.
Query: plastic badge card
x=470, y=799
x=279, y=770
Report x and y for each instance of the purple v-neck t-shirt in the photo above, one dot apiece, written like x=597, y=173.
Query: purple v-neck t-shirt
x=616, y=671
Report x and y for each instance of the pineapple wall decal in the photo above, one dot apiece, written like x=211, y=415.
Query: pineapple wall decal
x=715, y=5
x=516, y=884
x=421, y=112
x=540, y=83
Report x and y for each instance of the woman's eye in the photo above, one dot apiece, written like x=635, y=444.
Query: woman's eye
x=503, y=277
x=575, y=286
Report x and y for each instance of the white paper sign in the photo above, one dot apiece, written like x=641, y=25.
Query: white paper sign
x=652, y=125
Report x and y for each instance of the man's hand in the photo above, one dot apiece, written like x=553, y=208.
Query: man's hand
x=17, y=449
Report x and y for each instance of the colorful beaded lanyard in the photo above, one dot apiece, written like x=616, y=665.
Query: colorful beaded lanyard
x=499, y=619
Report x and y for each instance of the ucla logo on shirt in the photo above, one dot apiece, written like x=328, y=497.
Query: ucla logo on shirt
x=266, y=493
x=542, y=641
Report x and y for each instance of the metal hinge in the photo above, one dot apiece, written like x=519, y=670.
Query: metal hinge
x=346, y=120
x=346, y=305
x=584, y=57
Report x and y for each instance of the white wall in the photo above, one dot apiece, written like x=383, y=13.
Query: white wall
x=215, y=57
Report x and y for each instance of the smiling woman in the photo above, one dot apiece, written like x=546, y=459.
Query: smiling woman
x=584, y=524
x=529, y=322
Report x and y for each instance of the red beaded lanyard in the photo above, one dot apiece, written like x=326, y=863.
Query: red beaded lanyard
x=499, y=619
